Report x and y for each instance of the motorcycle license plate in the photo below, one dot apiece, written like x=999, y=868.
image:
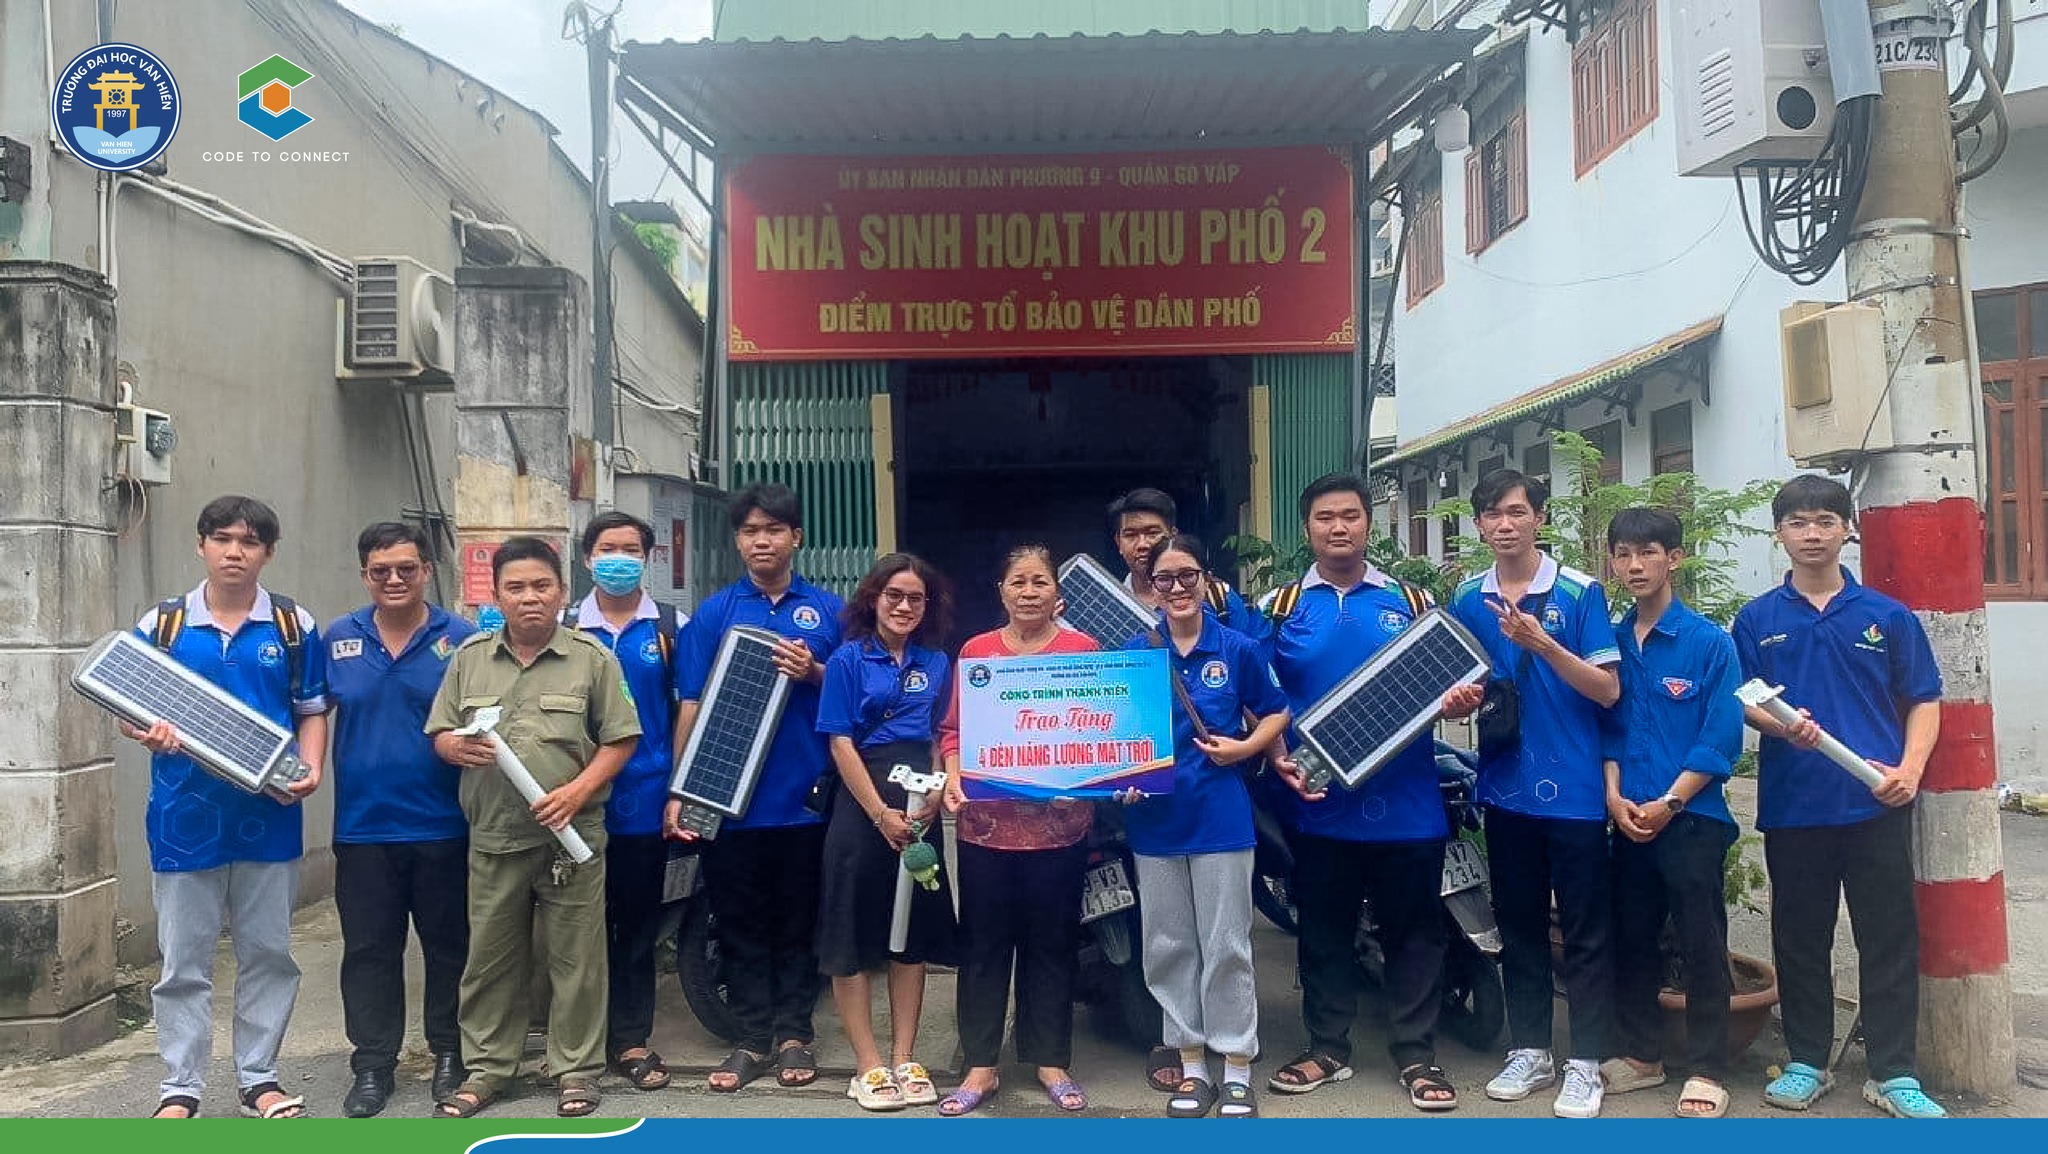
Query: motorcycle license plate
x=1106, y=890
x=1462, y=868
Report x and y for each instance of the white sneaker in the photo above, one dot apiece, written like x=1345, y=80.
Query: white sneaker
x=1582, y=1092
x=1527, y=1071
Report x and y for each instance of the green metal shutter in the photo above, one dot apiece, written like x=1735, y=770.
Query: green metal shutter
x=1311, y=397
x=806, y=424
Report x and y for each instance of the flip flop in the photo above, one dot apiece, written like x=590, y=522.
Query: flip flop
x=744, y=1067
x=1705, y=1092
x=965, y=1101
x=1059, y=1093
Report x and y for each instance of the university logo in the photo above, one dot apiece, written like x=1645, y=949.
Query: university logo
x=806, y=617
x=116, y=107
x=347, y=647
x=915, y=681
x=1553, y=619
x=1215, y=675
x=1677, y=687
x=267, y=98
x=651, y=652
x=978, y=676
x=270, y=654
x=1393, y=620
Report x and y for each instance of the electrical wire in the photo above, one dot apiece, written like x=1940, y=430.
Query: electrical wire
x=1994, y=75
x=1800, y=223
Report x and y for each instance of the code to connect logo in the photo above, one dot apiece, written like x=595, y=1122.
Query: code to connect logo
x=267, y=98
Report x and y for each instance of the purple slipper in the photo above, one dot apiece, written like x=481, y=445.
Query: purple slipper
x=1066, y=1088
x=965, y=1101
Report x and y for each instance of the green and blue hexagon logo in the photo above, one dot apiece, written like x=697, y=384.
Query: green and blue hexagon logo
x=267, y=98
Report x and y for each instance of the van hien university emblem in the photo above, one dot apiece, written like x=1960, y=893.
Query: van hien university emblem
x=115, y=107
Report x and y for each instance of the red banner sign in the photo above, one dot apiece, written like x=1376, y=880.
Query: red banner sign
x=1163, y=253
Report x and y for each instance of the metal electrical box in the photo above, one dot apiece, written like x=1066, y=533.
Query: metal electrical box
x=1751, y=80
x=1835, y=403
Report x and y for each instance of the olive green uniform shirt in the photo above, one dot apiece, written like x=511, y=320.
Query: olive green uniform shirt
x=557, y=711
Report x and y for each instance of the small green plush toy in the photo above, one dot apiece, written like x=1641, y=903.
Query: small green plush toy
x=923, y=863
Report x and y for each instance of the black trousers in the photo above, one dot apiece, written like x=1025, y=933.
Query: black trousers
x=1530, y=858
x=633, y=870
x=1020, y=907
x=1676, y=875
x=1812, y=870
x=377, y=888
x=763, y=886
x=1402, y=881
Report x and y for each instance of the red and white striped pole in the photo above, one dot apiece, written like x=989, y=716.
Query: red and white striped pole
x=1923, y=542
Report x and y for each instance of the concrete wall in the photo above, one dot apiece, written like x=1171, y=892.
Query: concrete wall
x=235, y=337
x=1632, y=252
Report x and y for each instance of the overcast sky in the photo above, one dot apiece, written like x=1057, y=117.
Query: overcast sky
x=517, y=47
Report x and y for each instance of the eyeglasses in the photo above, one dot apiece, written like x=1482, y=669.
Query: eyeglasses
x=899, y=597
x=1185, y=578
x=379, y=574
x=1802, y=524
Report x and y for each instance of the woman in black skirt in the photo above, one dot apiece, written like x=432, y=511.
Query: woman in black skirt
x=883, y=696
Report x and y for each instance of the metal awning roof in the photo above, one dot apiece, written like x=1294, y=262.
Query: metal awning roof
x=1041, y=93
x=1556, y=395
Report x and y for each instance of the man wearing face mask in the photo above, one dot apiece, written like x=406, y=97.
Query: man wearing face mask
x=641, y=632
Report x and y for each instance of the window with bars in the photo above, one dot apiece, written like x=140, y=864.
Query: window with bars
x=2012, y=345
x=1671, y=439
x=1614, y=81
x=1425, y=257
x=1418, y=523
x=1497, y=183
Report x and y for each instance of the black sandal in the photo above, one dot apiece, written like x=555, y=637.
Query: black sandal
x=1162, y=1069
x=286, y=1106
x=646, y=1072
x=1238, y=1101
x=793, y=1061
x=744, y=1068
x=185, y=1102
x=1423, y=1080
x=1290, y=1079
x=1192, y=1098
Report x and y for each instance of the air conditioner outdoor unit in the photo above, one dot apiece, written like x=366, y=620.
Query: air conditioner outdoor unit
x=1752, y=82
x=400, y=320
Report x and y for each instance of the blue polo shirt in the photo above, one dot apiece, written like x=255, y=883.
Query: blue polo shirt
x=1555, y=772
x=870, y=698
x=796, y=755
x=640, y=791
x=1236, y=614
x=196, y=821
x=1209, y=810
x=1858, y=666
x=1330, y=633
x=1678, y=709
x=389, y=786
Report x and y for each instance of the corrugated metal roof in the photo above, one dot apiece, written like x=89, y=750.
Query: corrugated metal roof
x=1074, y=92
x=1555, y=395
x=879, y=19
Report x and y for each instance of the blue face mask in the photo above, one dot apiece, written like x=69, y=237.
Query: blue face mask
x=617, y=573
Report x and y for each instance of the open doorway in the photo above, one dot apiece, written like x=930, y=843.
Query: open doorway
x=994, y=453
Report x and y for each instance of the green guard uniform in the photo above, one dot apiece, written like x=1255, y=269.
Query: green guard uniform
x=557, y=712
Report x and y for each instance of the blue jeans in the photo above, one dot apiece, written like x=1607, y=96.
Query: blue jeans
x=191, y=910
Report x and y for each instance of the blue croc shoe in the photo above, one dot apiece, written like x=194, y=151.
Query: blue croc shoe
x=1799, y=1087
x=1902, y=1098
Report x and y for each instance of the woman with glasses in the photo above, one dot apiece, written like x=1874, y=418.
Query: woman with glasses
x=1193, y=847
x=1021, y=864
x=880, y=706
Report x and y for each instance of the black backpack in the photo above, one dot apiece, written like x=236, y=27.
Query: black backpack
x=664, y=628
x=284, y=613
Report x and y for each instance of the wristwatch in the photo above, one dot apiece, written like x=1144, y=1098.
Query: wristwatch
x=1673, y=804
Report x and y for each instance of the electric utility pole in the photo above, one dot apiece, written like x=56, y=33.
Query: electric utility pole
x=1923, y=542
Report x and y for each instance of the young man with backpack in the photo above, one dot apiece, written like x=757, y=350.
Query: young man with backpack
x=1142, y=518
x=641, y=632
x=220, y=857
x=1384, y=840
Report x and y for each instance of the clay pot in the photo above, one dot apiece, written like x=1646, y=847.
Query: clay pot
x=1748, y=1013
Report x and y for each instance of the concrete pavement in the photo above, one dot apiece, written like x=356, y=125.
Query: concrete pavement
x=120, y=1079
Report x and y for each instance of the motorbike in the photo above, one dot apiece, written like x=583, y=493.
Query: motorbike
x=1474, y=1008
x=689, y=923
x=1110, y=976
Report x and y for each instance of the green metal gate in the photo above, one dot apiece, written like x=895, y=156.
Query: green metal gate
x=1311, y=429
x=808, y=425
